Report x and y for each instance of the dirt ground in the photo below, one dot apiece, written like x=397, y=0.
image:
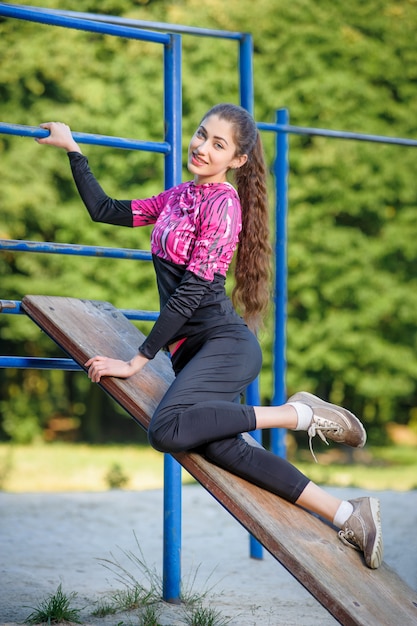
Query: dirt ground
x=64, y=538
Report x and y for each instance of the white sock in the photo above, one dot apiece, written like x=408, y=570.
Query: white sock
x=304, y=414
x=343, y=513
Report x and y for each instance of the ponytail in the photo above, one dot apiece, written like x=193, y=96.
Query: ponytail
x=253, y=261
x=251, y=293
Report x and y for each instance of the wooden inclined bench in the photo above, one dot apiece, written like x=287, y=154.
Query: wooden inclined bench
x=308, y=548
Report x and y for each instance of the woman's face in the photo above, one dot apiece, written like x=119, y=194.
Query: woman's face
x=212, y=151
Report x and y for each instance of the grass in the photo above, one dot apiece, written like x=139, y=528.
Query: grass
x=149, y=616
x=81, y=467
x=55, y=609
x=207, y=616
x=143, y=601
x=391, y=468
x=133, y=594
x=142, y=589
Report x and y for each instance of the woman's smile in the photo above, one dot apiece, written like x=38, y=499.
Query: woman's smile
x=197, y=160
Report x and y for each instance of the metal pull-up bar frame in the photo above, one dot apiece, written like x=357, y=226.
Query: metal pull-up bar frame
x=171, y=149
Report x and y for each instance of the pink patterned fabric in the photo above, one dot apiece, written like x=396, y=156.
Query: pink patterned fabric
x=195, y=225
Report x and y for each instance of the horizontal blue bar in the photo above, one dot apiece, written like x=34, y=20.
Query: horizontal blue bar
x=340, y=134
x=46, y=17
x=10, y=306
x=161, y=26
x=144, y=316
x=88, y=138
x=38, y=363
x=14, y=307
x=20, y=245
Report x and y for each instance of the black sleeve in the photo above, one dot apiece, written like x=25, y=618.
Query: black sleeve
x=179, y=308
x=100, y=207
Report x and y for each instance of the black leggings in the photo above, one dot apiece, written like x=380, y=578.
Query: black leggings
x=201, y=411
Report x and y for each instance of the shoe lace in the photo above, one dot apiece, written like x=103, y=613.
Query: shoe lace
x=348, y=538
x=317, y=428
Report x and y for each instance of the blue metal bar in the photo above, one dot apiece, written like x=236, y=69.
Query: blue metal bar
x=39, y=363
x=172, y=545
x=10, y=306
x=172, y=469
x=335, y=134
x=247, y=102
x=55, y=19
x=282, y=128
x=159, y=26
x=173, y=111
x=87, y=138
x=14, y=307
x=143, y=316
x=20, y=245
x=280, y=295
x=246, y=73
x=253, y=399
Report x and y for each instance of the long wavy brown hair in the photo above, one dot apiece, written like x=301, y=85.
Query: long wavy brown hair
x=251, y=293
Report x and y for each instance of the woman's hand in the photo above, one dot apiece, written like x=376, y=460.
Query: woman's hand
x=99, y=366
x=59, y=136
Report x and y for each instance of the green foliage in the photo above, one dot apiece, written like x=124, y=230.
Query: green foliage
x=116, y=478
x=205, y=616
x=55, y=610
x=149, y=616
x=351, y=252
x=147, y=598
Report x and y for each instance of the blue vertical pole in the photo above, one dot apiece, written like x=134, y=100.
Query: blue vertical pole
x=252, y=398
x=172, y=470
x=281, y=182
x=247, y=102
x=246, y=72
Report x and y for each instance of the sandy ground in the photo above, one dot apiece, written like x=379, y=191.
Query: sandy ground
x=63, y=538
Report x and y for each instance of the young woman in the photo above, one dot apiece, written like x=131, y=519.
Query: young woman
x=215, y=353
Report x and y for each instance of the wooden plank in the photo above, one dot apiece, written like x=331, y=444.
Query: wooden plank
x=333, y=573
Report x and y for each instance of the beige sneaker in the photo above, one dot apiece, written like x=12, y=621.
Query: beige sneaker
x=362, y=531
x=331, y=422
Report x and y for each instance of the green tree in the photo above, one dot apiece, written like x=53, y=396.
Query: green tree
x=352, y=229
